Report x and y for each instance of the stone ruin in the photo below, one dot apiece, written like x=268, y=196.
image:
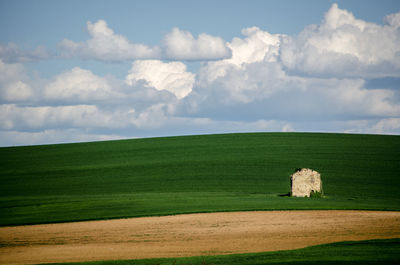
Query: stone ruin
x=304, y=182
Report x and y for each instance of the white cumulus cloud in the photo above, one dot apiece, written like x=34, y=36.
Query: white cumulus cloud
x=78, y=85
x=181, y=45
x=12, y=53
x=393, y=20
x=17, y=91
x=14, y=85
x=257, y=46
x=170, y=76
x=343, y=45
x=105, y=45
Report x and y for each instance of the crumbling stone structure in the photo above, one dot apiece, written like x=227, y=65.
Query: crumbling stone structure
x=305, y=181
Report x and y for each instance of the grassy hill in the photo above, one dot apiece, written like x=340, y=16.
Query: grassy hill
x=228, y=172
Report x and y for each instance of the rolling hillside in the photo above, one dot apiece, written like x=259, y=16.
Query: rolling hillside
x=159, y=176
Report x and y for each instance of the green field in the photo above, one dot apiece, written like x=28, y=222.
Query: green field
x=228, y=172
x=367, y=252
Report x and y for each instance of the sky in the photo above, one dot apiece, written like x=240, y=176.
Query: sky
x=73, y=71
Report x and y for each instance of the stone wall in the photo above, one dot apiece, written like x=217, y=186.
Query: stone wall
x=304, y=181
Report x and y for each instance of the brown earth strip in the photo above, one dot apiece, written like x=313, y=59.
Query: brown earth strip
x=190, y=235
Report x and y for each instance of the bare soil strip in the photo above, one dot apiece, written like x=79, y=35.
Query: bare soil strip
x=190, y=235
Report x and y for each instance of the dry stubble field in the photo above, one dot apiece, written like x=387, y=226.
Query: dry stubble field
x=191, y=235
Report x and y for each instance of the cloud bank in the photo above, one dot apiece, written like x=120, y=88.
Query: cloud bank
x=315, y=81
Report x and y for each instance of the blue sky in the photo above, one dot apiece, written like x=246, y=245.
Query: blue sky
x=92, y=70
